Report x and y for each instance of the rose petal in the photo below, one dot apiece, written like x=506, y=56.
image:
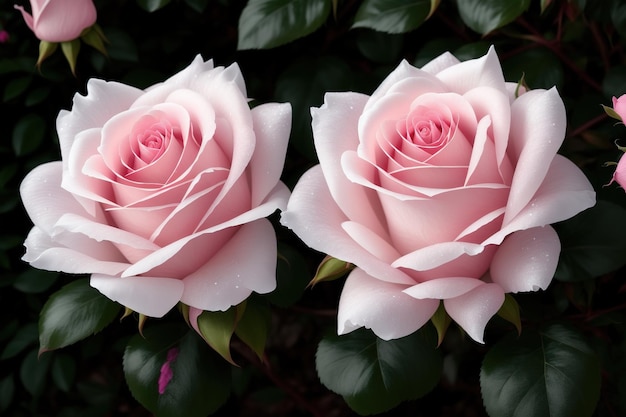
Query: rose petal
x=537, y=131
x=526, y=260
x=440, y=63
x=564, y=193
x=370, y=241
x=314, y=216
x=246, y=263
x=272, y=124
x=443, y=288
x=473, y=309
x=276, y=200
x=435, y=255
x=45, y=253
x=483, y=71
x=151, y=296
x=338, y=118
x=380, y=306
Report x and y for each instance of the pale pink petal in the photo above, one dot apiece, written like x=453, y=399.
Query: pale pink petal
x=494, y=103
x=435, y=255
x=483, y=166
x=443, y=288
x=537, y=131
x=276, y=200
x=151, y=296
x=246, y=263
x=45, y=253
x=335, y=132
x=381, y=306
x=473, y=310
x=103, y=100
x=63, y=21
x=44, y=199
x=564, y=193
x=526, y=260
x=28, y=18
x=370, y=241
x=272, y=125
x=483, y=71
x=403, y=71
x=157, y=93
x=440, y=63
x=315, y=217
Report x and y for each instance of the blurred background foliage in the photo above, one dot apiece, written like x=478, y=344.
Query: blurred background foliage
x=295, y=50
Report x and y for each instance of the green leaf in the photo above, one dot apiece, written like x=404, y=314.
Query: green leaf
x=374, y=375
x=74, y=312
x=611, y=112
x=28, y=134
x=253, y=326
x=33, y=372
x=380, y=47
x=200, y=381
x=550, y=373
x=265, y=24
x=63, y=371
x=392, y=16
x=152, y=5
x=34, y=281
x=483, y=16
x=217, y=328
x=592, y=242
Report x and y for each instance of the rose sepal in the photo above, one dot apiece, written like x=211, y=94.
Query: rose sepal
x=330, y=269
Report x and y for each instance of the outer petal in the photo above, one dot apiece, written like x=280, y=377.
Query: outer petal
x=436, y=255
x=381, y=306
x=484, y=71
x=272, y=124
x=526, y=260
x=440, y=63
x=28, y=18
x=151, y=296
x=314, y=216
x=335, y=132
x=102, y=101
x=537, y=131
x=473, y=310
x=564, y=193
x=246, y=263
x=443, y=288
x=44, y=253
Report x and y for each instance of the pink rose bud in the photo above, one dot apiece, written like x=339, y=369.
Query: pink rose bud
x=619, y=105
x=59, y=20
x=4, y=36
x=619, y=175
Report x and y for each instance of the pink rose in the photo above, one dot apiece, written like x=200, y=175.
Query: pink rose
x=59, y=20
x=619, y=105
x=162, y=194
x=440, y=186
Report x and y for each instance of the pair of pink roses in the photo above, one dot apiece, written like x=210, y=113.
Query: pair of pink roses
x=439, y=186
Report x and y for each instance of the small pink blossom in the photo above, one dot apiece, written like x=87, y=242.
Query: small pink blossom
x=59, y=20
x=619, y=105
x=4, y=36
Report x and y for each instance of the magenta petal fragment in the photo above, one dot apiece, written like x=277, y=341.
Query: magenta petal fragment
x=381, y=306
x=166, y=374
x=526, y=260
x=151, y=296
x=473, y=310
